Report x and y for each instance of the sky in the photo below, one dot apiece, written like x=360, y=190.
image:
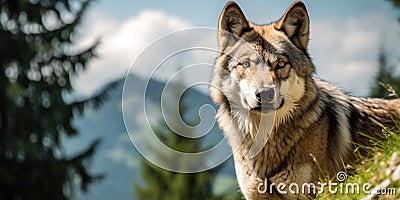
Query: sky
x=345, y=38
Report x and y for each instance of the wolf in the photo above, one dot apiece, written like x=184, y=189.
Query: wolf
x=267, y=94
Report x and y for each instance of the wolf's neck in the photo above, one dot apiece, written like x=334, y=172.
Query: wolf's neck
x=255, y=142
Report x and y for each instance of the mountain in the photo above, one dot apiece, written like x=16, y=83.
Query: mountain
x=116, y=157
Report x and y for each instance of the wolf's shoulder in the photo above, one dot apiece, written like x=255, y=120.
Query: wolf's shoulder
x=329, y=89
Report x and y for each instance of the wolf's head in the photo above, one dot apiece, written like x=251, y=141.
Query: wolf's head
x=262, y=68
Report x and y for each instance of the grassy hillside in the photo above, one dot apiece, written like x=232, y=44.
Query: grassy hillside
x=378, y=175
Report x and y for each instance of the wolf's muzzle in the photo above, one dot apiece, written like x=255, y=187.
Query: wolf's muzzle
x=265, y=95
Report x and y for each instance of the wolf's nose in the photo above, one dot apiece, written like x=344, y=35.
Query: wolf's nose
x=265, y=95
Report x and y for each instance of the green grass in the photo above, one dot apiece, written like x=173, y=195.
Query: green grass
x=379, y=168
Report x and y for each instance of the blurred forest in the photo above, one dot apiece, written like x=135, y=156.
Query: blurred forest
x=386, y=82
x=37, y=60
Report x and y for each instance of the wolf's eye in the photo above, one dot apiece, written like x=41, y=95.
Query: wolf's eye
x=280, y=65
x=246, y=64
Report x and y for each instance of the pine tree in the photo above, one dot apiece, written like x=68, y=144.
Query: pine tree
x=162, y=184
x=395, y=3
x=37, y=60
x=384, y=79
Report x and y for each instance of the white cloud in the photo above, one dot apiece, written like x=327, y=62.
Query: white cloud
x=120, y=44
x=95, y=26
x=345, y=51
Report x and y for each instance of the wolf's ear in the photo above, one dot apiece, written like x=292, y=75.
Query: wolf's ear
x=232, y=20
x=295, y=24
